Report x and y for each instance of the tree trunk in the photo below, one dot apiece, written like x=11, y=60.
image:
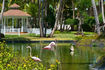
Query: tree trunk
x=42, y=19
x=32, y=1
x=45, y=23
x=102, y=5
x=79, y=25
x=96, y=17
x=1, y=15
x=57, y=17
x=73, y=7
x=39, y=18
x=103, y=17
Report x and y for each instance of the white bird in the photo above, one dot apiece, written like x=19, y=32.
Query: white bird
x=50, y=46
x=71, y=49
x=33, y=57
x=72, y=53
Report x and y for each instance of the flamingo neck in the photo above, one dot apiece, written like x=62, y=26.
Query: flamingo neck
x=30, y=52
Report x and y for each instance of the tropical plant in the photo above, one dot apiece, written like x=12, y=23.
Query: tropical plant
x=58, y=9
x=10, y=61
x=1, y=16
x=97, y=28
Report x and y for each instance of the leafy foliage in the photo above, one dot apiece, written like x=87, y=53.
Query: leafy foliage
x=71, y=21
x=89, y=23
x=10, y=61
x=50, y=16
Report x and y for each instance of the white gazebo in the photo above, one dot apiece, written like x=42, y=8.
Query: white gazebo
x=15, y=20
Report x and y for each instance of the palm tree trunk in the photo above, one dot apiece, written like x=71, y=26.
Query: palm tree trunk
x=1, y=15
x=39, y=18
x=103, y=17
x=100, y=7
x=73, y=7
x=103, y=11
x=96, y=17
x=79, y=26
x=45, y=23
x=57, y=17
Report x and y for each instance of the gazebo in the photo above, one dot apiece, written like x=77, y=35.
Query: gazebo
x=15, y=20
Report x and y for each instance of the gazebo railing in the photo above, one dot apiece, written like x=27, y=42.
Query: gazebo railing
x=17, y=31
x=37, y=30
x=11, y=31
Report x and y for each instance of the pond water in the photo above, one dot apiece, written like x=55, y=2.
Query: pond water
x=77, y=60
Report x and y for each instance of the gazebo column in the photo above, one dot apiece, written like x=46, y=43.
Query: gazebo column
x=4, y=26
x=12, y=24
x=16, y=22
x=7, y=26
x=22, y=25
x=27, y=23
x=7, y=22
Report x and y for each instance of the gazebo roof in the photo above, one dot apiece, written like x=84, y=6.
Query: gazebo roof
x=15, y=12
x=14, y=6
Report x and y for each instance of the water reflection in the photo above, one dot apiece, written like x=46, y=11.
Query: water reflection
x=71, y=53
x=83, y=55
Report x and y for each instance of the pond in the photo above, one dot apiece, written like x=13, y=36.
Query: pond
x=77, y=60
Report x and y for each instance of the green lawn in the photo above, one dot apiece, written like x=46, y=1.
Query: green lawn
x=58, y=35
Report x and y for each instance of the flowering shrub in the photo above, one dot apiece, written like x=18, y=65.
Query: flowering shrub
x=8, y=61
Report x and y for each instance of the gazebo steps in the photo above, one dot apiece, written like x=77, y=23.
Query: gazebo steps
x=16, y=33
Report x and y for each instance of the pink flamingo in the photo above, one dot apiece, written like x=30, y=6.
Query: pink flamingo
x=50, y=46
x=33, y=57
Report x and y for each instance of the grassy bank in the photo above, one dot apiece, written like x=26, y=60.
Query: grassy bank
x=58, y=35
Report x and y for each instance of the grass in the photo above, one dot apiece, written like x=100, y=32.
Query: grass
x=57, y=35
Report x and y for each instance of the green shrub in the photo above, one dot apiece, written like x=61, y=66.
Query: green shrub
x=10, y=61
x=57, y=32
x=89, y=23
x=71, y=21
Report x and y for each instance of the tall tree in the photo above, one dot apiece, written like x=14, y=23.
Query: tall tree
x=73, y=8
x=1, y=15
x=39, y=18
x=81, y=6
x=103, y=17
x=45, y=23
x=96, y=17
x=58, y=9
x=102, y=6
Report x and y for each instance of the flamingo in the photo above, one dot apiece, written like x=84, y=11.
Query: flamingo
x=33, y=57
x=50, y=46
x=71, y=49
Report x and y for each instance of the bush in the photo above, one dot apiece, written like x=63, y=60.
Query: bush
x=10, y=61
x=89, y=23
x=71, y=21
x=1, y=35
x=57, y=32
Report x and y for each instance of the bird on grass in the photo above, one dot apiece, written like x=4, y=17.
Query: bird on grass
x=33, y=57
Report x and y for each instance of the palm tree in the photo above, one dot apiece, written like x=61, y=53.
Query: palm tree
x=103, y=17
x=1, y=15
x=102, y=6
x=58, y=9
x=45, y=23
x=39, y=18
x=96, y=17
